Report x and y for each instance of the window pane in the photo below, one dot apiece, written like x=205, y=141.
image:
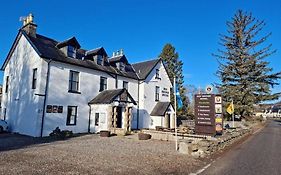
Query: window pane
x=74, y=86
x=96, y=119
x=75, y=76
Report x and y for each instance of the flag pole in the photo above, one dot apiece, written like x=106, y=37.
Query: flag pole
x=175, y=101
x=232, y=113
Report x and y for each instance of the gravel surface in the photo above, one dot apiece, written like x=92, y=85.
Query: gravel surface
x=91, y=154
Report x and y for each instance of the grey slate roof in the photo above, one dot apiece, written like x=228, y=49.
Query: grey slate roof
x=119, y=58
x=96, y=51
x=47, y=49
x=71, y=41
x=160, y=108
x=144, y=68
x=108, y=96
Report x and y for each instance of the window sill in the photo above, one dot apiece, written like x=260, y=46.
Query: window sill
x=75, y=92
x=70, y=124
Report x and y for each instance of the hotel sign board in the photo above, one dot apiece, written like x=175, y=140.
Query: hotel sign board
x=208, y=114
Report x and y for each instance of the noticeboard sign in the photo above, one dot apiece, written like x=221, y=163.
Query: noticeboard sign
x=208, y=114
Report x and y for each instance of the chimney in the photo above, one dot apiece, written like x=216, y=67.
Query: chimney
x=29, y=26
x=121, y=52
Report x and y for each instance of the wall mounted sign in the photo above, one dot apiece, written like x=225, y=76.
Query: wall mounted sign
x=165, y=92
x=54, y=109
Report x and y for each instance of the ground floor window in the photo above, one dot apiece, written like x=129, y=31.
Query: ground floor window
x=97, y=116
x=71, y=115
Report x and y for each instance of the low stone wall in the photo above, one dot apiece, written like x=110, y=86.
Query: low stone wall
x=201, y=148
x=170, y=136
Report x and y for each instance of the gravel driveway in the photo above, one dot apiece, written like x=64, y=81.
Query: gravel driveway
x=91, y=154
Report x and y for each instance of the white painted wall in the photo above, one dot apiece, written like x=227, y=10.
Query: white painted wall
x=24, y=107
x=103, y=122
x=147, y=95
x=89, y=87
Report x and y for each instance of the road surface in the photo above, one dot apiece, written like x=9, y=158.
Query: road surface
x=259, y=155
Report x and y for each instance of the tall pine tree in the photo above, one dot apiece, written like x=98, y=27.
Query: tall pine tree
x=245, y=75
x=174, y=68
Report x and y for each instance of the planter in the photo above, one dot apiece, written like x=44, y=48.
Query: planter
x=105, y=133
x=143, y=136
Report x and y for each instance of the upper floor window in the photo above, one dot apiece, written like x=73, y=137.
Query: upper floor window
x=121, y=66
x=157, y=76
x=125, y=85
x=71, y=51
x=34, y=78
x=73, y=81
x=157, y=91
x=71, y=115
x=103, y=83
x=99, y=59
x=7, y=84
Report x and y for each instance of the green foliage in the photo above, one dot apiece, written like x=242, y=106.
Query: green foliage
x=174, y=68
x=245, y=75
x=58, y=134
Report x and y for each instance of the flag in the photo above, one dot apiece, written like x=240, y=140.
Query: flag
x=178, y=97
x=230, y=108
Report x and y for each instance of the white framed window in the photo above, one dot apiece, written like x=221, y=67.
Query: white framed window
x=73, y=81
x=99, y=59
x=71, y=51
x=157, y=74
x=34, y=78
x=71, y=115
x=97, y=119
x=103, y=83
x=125, y=85
x=157, y=91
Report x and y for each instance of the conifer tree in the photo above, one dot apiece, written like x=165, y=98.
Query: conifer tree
x=174, y=68
x=245, y=75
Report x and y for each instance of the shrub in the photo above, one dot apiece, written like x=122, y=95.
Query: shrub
x=58, y=134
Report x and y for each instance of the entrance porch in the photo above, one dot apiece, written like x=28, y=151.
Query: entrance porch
x=111, y=110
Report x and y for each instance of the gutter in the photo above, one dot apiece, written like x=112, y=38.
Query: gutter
x=45, y=99
x=89, y=122
x=138, y=110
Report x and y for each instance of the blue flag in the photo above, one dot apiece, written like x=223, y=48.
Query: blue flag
x=178, y=97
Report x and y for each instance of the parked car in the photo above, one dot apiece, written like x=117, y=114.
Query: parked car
x=3, y=126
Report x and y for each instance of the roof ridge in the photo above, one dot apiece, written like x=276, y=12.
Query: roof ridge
x=146, y=61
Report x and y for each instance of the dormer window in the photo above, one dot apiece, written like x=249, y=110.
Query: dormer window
x=71, y=52
x=121, y=66
x=99, y=60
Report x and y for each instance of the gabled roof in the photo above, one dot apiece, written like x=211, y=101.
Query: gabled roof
x=97, y=51
x=71, y=41
x=47, y=48
x=108, y=96
x=119, y=58
x=143, y=69
x=160, y=109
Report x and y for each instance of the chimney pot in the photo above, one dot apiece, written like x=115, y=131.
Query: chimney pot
x=29, y=26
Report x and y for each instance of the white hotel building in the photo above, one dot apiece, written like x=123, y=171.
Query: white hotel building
x=49, y=84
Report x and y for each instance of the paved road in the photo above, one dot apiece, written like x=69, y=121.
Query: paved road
x=259, y=155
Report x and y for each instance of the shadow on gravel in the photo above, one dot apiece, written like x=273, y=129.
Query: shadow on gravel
x=11, y=141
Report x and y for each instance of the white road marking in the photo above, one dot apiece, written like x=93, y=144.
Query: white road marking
x=257, y=131
x=201, y=170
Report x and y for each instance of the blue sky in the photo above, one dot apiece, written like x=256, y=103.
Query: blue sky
x=142, y=28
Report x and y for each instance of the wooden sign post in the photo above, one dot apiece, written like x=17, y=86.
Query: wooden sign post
x=208, y=114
